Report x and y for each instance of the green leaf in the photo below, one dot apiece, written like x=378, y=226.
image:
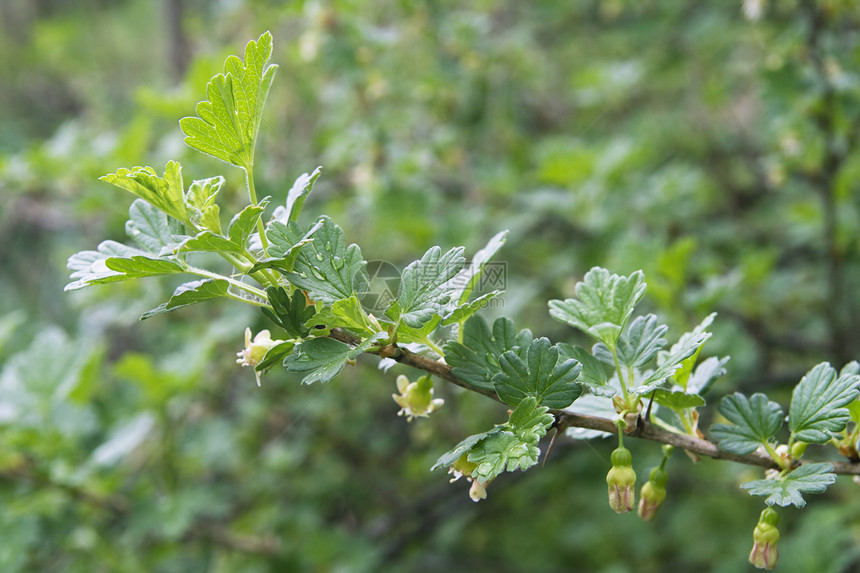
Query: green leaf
x=469, y=277
x=788, y=489
x=423, y=291
x=515, y=446
x=236, y=241
x=682, y=375
x=454, y=454
x=291, y=314
x=465, y=310
x=603, y=305
x=818, y=404
x=327, y=268
x=705, y=375
x=297, y=194
x=285, y=240
x=501, y=451
x=191, y=293
x=754, y=422
x=529, y=421
x=200, y=204
x=227, y=123
x=102, y=266
x=418, y=335
x=678, y=401
x=165, y=193
x=346, y=313
x=324, y=358
x=141, y=266
x=541, y=375
x=149, y=228
x=641, y=341
x=476, y=360
x=593, y=375
x=275, y=355
x=669, y=362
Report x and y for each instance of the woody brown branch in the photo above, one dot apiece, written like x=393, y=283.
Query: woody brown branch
x=643, y=430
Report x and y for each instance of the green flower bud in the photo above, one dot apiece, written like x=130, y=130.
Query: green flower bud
x=798, y=449
x=621, y=480
x=653, y=493
x=764, y=554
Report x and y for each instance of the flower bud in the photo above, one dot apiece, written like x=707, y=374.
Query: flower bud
x=478, y=491
x=798, y=449
x=653, y=493
x=621, y=480
x=764, y=554
x=416, y=398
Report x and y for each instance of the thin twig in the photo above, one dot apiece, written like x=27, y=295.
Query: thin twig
x=644, y=430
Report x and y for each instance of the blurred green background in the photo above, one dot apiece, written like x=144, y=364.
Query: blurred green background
x=711, y=144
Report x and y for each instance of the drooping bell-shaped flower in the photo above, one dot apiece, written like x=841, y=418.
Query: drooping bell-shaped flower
x=653, y=493
x=621, y=480
x=764, y=554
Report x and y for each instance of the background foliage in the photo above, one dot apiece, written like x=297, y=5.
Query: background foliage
x=713, y=150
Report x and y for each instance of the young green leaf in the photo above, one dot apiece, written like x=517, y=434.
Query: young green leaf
x=150, y=229
x=541, y=375
x=327, y=268
x=114, y=262
x=754, y=422
x=476, y=360
x=637, y=345
x=346, y=313
x=678, y=401
x=682, y=374
x=165, y=193
x=603, y=305
x=706, y=373
x=669, y=362
x=236, y=241
x=454, y=454
x=191, y=293
x=200, y=204
x=469, y=277
x=423, y=291
x=499, y=452
x=285, y=240
x=788, y=489
x=297, y=195
x=529, y=421
x=818, y=404
x=291, y=314
x=593, y=375
x=276, y=354
x=324, y=358
x=227, y=123
x=641, y=341
x=467, y=309
x=417, y=335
